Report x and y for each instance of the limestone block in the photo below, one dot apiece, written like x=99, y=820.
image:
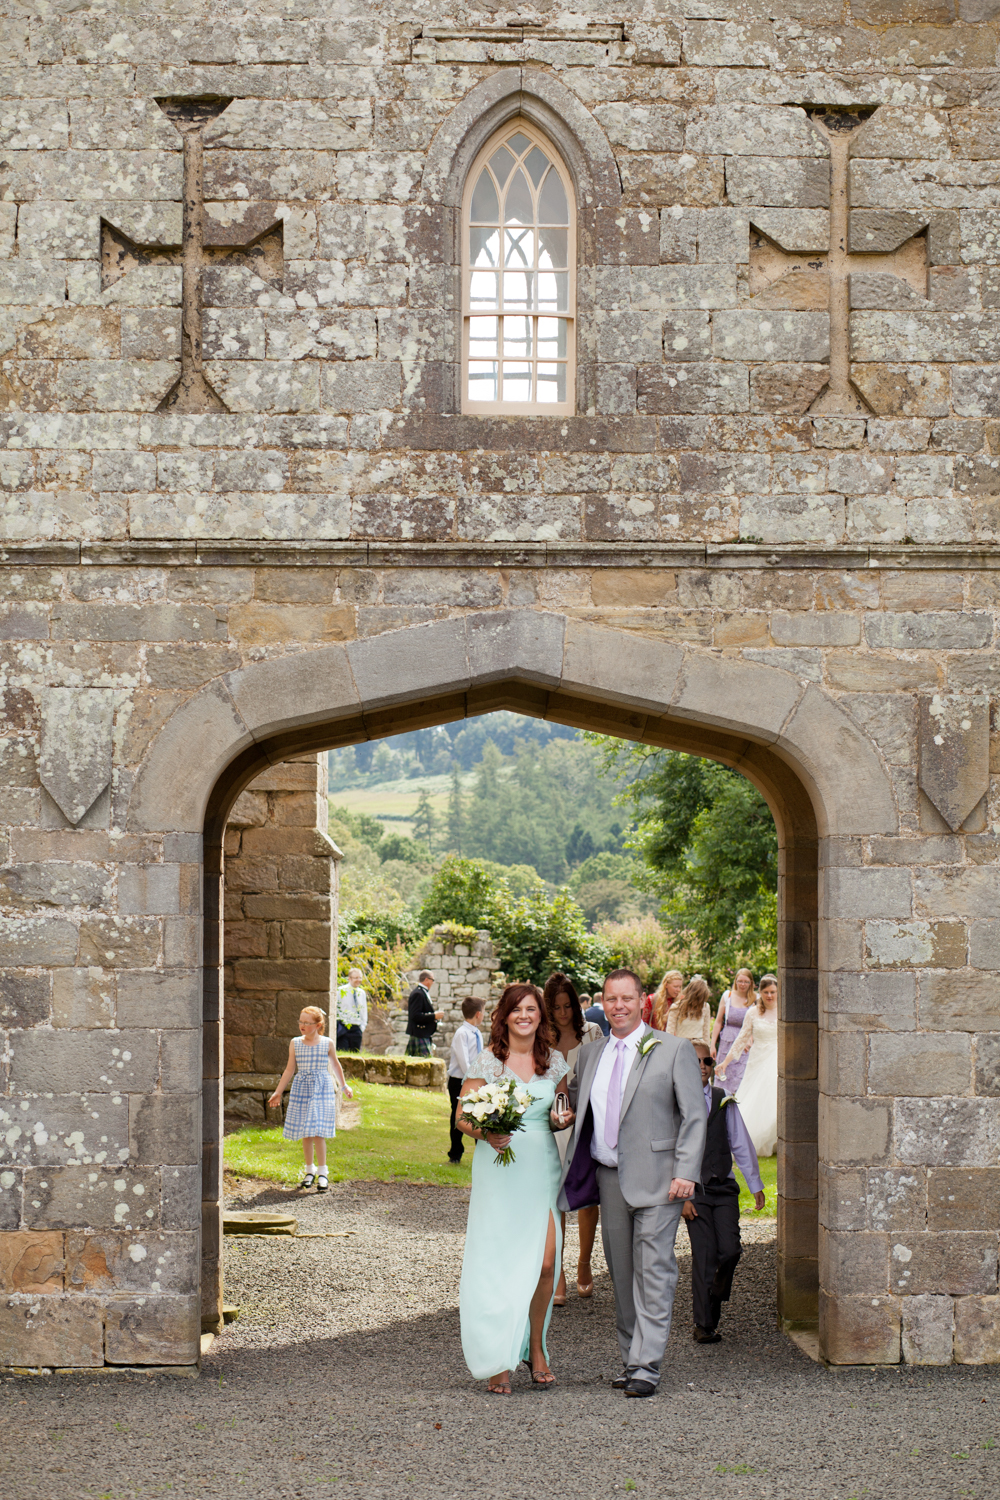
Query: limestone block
x=74, y=1197
x=659, y=288
x=75, y=759
x=752, y=335
x=154, y=1330
x=842, y=1063
x=24, y=999
x=679, y=234
x=64, y=1128
x=754, y=130
x=779, y=519
x=644, y=676
x=778, y=183
x=928, y=1329
x=899, y=389
x=96, y=1061
x=824, y=629
x=859, y=1330
x=800, y=231
x=10, y=1200
x=52, y=1331
x=120, y=942
x=719, y=691
x=945, y=1132
x=962, y=1199
x=988, y=1065
x=975, y=390
x=961, y=1000
x=954, y=751
x=977, y=1330
x=528, y=647
x=32, y=1263
x=936, y=945
x=117, y=1261
x=305, y=688
x=842, y=1198
x=959, y=891
x=920, y=1065
x=867, y=893
x=853, y=1130
x=180, y=1197
x=897, y=1198
x=393, y=667
x=165, y=1128
x=856, y=1261
x=960, y=1264
x=789, y=388
x=707, y=387
x=206, y=731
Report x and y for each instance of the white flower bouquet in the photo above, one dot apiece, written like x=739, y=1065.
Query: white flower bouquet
x=497, y=1109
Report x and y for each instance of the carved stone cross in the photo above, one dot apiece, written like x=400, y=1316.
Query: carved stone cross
x=205, y=241
x=824, y=264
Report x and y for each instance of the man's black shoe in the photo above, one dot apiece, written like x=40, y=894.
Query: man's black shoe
x=640, y=1388
x=621, y=1381
x=706, y=1336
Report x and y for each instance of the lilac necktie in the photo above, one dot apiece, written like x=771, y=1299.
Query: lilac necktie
x=614, y=1105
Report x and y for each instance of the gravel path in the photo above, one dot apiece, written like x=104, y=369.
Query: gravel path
x=344, y=1375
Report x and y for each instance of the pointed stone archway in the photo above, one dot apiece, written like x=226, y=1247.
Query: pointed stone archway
x=823, y=781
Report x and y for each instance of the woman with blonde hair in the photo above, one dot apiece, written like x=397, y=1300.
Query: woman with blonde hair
x=667, y=991
x=733, y=1009
x=691, y=1015
x=312, y=1104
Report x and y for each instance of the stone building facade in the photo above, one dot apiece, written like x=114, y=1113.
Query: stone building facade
x=278, y=476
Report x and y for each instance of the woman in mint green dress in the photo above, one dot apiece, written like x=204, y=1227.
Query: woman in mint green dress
x=512, y=1243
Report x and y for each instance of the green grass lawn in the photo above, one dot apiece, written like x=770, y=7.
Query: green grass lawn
x=403, y=1135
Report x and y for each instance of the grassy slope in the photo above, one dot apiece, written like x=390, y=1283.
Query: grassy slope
x=403, y=1134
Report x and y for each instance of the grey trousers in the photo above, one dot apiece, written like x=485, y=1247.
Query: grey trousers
x=639, y=1249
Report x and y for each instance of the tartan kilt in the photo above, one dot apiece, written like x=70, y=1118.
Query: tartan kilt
x=418, y=1046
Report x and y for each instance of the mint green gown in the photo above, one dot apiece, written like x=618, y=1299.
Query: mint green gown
x=508, y=1222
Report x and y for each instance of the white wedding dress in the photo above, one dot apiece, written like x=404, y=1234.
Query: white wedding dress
x=757, y=1095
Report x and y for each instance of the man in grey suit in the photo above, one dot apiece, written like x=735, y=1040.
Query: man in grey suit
x=637, y=1147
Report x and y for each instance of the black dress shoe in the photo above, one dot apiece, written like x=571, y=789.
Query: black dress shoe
x=706, y=1336
x=640, y=1388
x=621, y=1381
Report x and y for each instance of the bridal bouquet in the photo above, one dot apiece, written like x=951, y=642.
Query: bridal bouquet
x=497, y=1109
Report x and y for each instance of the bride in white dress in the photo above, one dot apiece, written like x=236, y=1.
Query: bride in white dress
x=757, y=1095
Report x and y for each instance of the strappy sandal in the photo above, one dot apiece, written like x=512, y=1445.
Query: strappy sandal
x=538, y=1377
x=308, y=1180
x=323, y=1183
x=503, y=1389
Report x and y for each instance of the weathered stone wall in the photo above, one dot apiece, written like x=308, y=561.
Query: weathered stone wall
x=767, y=534
x=281, y=913
x=459, y=969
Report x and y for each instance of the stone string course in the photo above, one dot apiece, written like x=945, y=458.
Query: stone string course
x=769, y=531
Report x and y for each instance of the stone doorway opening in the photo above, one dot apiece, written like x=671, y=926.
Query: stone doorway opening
x=798, y=908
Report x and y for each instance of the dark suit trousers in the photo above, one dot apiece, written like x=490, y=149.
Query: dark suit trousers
x=457, y=1148
x=715, y=1249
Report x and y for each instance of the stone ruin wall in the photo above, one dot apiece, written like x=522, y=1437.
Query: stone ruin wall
x=776, y=506
x=459, y=969
x=280, y=941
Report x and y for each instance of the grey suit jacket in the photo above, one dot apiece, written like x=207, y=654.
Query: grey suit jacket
x=663, y=1121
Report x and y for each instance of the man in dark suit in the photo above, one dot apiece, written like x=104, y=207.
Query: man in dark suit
x=712, y=1216
x=421, y=1017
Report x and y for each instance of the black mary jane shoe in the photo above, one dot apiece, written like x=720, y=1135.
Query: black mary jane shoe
x=307, y=1181
x=640, y=1388
x=323, y=1182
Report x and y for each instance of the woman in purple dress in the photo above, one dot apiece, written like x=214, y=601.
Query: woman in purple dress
x=728, y=1023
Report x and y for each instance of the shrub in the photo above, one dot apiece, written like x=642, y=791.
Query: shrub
x=643, y=945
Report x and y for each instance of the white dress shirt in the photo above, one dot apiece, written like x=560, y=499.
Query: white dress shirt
x=352, y=1006
x=599, y=1148
x=466, y=1046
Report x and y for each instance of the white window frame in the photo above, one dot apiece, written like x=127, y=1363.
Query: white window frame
x=520, y=408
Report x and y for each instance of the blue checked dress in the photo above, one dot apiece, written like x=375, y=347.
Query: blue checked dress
x=312, y=1099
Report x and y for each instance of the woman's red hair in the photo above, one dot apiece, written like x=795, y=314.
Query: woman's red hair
x=510, y=1000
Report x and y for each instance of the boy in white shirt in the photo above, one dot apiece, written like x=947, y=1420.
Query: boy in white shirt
x=466, y=1046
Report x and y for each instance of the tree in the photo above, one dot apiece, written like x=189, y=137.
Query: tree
x=398, y=846
x=710, y=850
x=456, y=811
x=424, y=821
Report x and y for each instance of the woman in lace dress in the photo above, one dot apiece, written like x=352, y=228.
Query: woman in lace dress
x=757, y=1095
x=512, y=1242
x=733, y=1009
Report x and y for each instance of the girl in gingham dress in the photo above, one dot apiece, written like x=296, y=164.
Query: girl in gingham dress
x=312, y=1104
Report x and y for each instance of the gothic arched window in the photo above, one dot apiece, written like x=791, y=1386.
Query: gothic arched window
x=519, y=277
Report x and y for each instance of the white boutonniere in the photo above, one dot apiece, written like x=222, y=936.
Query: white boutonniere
x=646, y=1045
